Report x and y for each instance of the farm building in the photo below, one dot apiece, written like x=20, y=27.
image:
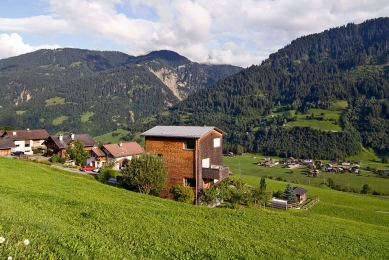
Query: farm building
x=301, y=194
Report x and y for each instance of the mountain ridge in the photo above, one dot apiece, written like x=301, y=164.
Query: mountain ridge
x=79, y=78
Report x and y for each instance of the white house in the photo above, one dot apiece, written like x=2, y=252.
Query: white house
x=27, y=140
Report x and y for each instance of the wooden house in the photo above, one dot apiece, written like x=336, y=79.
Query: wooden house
x=193, y=155
x=301, y=194
x=5, y=146
x=26, y=140
x=57, y=144
x=119, y=154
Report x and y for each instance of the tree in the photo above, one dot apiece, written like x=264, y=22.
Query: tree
x=366, y=189
x=331, y=183
x=289, y=194
x=77, y=153
x=260, y=195
x=146, y=171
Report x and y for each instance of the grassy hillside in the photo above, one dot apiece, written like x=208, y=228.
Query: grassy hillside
x=72, y=216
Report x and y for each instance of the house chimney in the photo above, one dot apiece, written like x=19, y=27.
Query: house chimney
x=13, y=133
x=72, y=136
x=28, y=129
x=120, y=144
x=60, y=137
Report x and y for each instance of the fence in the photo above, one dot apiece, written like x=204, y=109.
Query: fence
x=310, y=203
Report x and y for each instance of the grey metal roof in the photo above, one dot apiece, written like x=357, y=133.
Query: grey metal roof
x=180, y=131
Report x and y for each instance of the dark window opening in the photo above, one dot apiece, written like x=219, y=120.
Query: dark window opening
x=190, y=182
x=189, y=144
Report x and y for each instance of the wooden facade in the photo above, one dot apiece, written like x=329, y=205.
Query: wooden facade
x=57, y=144
x=199, y=166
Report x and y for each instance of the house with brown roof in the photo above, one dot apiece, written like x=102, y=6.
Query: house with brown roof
x=193, y=155
x=301, y=194
x=5, y=146
x=57, y=144
x=119, y=154
x=27, y=140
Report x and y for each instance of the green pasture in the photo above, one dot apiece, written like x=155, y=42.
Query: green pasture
x=339, y=105
x=246, y=165
x=55, y=101
x=20, y=112
x=316, y=124
x=73, y=216
x=111, y=137
x=59, y=120
x=85, y=116
x=76, y=64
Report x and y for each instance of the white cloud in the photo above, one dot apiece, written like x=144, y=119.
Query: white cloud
x=239, y=32
x=13, y=45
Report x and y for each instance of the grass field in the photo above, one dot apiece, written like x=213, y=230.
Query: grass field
x=59, y=120
x=111, y=137
x=85, y=117
x=20, y=112
x=72, y=216
x=246, y=165
x=331, y=115
x=55, y=101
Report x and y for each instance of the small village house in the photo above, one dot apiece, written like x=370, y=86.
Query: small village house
x=193, y=155
x=57, y=144
x=26, y=140
x=301, y=194
x=119, y=154
x=5, y=146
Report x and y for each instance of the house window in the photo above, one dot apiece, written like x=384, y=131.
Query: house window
x=27, y=145
x=205, y=163
x=189, y=144
x=190, y=182
x=216, y=142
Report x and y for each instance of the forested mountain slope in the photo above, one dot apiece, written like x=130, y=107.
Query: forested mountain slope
x=95, y=92
x=258, y=105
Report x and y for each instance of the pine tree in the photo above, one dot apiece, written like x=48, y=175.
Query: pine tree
x=289, y=194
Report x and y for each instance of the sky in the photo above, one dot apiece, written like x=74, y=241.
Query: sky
x=238, y=32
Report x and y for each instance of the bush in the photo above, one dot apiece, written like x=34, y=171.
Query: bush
x=57, y=159
x=106, y=173
x=182, y=193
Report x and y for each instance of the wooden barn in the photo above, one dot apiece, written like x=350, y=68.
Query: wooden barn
x=193, y=155
x=301, y=194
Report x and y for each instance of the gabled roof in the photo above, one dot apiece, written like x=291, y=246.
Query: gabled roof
x=6, y=144
x=299, y=191
x=123, y=149
x=98, y=152
x=20, y=135
x=86, y=139
x=180, y=131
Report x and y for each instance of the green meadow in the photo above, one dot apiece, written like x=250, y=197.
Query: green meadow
x=246, y=165
x=55, y=101
x=59, y=120
x=73, y=216
x=111, y=137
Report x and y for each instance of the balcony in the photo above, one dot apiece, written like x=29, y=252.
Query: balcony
x=217, y=172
